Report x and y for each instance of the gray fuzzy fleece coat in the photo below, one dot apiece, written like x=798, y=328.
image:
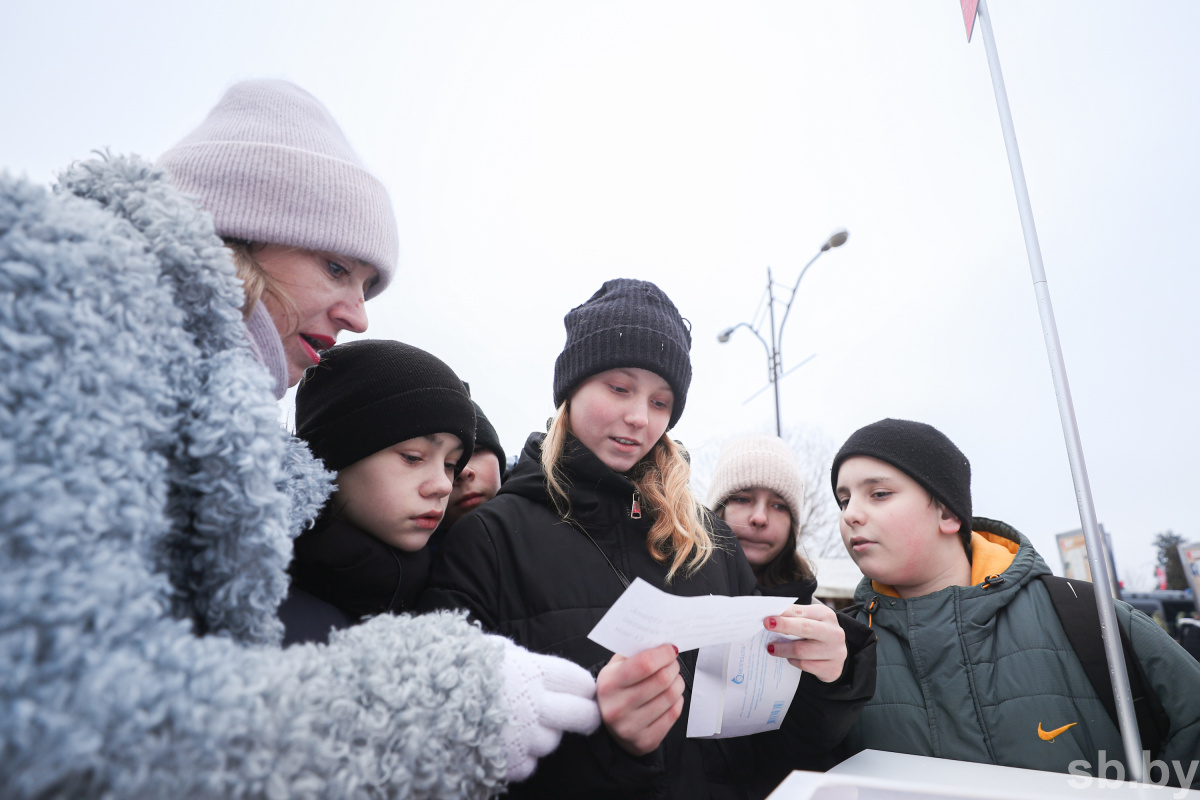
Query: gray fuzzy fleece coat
x=148, y=502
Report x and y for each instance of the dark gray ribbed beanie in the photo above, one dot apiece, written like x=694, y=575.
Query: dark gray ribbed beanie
x=627, y=323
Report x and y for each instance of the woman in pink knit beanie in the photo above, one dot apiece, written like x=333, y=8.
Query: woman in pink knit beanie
x=312, y=231
x=313, y=236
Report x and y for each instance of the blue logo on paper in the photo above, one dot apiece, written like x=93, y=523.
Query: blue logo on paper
x=741, y=675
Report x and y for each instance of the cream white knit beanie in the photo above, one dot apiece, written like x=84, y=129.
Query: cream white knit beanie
x=272, y=166
x=758, y=460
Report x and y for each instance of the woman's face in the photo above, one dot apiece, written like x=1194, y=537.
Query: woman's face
x=328, y=294
x=761, y=520
x=620, y=414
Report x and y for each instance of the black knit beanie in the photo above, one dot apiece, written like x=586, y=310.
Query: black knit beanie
x=368, y=395
x=923, y=453
x=627, y=323
x=486, y=438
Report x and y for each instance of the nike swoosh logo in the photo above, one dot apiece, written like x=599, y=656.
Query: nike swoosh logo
x=1048, y=736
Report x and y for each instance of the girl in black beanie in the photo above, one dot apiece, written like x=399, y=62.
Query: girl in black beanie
x=601, y=499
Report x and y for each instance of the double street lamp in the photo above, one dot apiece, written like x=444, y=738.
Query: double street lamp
x=774, y=354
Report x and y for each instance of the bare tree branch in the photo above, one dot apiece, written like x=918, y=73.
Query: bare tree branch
x=820, y=536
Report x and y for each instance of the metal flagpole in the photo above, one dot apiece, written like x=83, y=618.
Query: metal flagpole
x=1066, y=411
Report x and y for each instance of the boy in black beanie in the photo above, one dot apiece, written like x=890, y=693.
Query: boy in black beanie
x=480, y=479
x=398, y=426
x=936, y=549
x=973, y=663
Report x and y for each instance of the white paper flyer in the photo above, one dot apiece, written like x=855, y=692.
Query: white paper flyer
x=645, y=617
x=739, y=688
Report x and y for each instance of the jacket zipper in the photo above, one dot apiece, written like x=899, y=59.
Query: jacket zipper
x=635, y=511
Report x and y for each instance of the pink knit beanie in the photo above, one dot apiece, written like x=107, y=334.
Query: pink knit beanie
x=272, y=166
x=758, y=460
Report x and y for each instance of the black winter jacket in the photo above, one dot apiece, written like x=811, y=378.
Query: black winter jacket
x=525, y=573
x=801, y=589
x=341, y=575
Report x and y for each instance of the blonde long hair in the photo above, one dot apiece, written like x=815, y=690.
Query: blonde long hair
x=680, y=533
x=255, y=280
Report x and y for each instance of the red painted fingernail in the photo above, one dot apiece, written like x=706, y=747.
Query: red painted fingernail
x=771, y=649
x=676, y=649
x=771, y=623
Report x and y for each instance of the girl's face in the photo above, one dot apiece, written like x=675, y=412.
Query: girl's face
x=620, y=414
x=398, y=495
x=761, y=520
x=328, y=294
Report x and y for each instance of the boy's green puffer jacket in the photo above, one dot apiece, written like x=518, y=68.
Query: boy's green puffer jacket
x=148, y=499
x=987, y=674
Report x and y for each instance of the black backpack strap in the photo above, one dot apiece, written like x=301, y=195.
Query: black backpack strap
x=1076, y=609
x=1075, y=604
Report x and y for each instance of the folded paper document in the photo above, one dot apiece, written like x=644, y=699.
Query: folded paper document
x=645, y=617
x=739, y=688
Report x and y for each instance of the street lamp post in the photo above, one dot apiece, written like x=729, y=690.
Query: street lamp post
x=774, y=351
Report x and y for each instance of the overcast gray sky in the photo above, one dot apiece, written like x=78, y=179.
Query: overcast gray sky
x=535, y=149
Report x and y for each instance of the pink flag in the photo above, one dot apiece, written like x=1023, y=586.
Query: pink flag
x=968, y=9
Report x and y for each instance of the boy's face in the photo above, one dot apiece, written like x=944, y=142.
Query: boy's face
x=894, y=531
x=398, y=495
x=475, y=485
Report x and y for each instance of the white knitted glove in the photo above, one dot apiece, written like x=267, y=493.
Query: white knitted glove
x=545, y=696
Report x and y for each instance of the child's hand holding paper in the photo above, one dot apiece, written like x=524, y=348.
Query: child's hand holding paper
x=819, y=644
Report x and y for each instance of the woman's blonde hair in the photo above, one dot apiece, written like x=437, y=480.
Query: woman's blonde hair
x=680, y=532
x=255, y=280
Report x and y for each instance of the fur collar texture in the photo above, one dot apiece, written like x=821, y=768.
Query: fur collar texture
x=227, y=543
x=148, y=502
